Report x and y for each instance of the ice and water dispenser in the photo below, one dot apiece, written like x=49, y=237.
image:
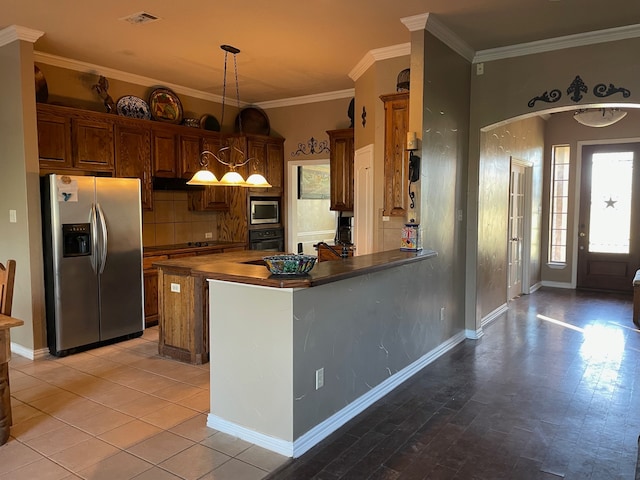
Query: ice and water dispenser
x=76, y=239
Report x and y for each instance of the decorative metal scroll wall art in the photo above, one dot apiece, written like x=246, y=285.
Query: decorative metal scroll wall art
x=364, y=116
x=576, y=91
x=313, y=148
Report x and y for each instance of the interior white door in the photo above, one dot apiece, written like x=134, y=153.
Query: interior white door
x=363, y=200
x=515, y=241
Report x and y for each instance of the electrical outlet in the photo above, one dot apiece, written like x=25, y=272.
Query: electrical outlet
x=385, y=218
x=208, y=235
x=319, y=378
x=479, y=68
x=459, y=215
x=175, y=287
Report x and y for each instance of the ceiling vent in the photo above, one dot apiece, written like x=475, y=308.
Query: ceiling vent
x=140, y=18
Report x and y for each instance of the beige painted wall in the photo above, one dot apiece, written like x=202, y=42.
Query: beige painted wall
x=73, y=88
x=380, y=79
x=20, y=191
x=523, y=140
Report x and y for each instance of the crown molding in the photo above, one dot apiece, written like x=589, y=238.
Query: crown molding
x=416, y=22
x=558, y=43
x=16, y=32
x=429, y=22
x=318, y=97
x=372, y=56
x=446, y=36
x=86, y=67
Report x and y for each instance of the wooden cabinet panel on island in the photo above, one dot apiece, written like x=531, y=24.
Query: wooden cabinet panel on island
x=396, y=158
x=133, y=153
x=341, y=169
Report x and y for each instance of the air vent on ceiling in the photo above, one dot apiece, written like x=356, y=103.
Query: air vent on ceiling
x=140, y=18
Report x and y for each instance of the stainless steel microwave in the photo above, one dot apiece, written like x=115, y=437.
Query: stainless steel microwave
x=264, y=210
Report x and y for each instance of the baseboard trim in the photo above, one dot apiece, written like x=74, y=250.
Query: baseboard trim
x=486, y=320
x=28, y=352
x=324, y=429
x=535, y=287
x=558, y=284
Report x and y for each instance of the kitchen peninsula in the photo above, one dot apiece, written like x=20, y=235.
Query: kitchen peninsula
x=293, y=359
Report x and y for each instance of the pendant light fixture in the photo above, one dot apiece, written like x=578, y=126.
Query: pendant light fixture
x=231, y=178
x=600, y=117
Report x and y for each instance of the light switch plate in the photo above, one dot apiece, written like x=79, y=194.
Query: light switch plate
x=12, y=216
x=175, y=287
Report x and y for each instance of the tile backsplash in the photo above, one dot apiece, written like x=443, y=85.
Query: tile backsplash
x=172, y=222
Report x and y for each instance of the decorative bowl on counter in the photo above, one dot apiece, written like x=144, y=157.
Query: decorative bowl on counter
x=290, y=264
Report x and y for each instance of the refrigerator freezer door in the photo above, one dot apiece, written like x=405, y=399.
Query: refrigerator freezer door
x=72, y=314
x=118, y=201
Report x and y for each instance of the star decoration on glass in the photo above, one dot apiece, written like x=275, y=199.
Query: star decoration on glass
x=610, y=203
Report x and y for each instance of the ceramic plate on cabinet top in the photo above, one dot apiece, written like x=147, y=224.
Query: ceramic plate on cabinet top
x=134, y=107
x=165, y=106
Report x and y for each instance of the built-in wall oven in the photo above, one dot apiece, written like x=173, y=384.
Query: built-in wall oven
x=267, y=239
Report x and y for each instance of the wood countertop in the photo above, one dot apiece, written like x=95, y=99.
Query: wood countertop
x=246, y=267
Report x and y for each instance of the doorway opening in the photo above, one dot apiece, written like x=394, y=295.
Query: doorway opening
x=608, y=250
x=519, y=228
x=309, y=219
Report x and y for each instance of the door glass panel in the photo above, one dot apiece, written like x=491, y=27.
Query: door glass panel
x=610, y=218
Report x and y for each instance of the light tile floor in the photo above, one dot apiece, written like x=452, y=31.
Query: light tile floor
x=120, y=412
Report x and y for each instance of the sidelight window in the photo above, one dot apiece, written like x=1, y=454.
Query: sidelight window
x=558, y=217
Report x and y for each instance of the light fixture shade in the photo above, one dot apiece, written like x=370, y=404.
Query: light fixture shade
x=232, y=179
x=600, y=117
x=203, y=177
x=257, y=180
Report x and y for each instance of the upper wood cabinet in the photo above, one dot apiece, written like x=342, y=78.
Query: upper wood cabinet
x=267, y=159
x=396, y=158
x=341, y=169
x=54, y=140
x=92, y=142
x=210, y=198
x=74, y=139
x=164, y=152
x=133, y=153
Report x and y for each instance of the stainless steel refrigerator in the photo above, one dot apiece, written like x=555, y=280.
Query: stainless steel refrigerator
x=92, y=229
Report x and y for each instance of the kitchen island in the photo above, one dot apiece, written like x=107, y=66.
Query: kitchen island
x=293, y=359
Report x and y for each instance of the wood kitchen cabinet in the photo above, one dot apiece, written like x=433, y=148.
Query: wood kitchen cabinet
x=74, y=139
x=133, y=153
x=93, y=144
x=396, y=157
x=54, y=140
x=150, y=279
x=267, y=154
x=164, y=152
x=341, y=169
x=210, y=198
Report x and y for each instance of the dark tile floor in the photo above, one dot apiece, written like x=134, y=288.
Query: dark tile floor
x=551, y=391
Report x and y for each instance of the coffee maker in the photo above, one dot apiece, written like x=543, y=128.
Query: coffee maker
x=343, y=232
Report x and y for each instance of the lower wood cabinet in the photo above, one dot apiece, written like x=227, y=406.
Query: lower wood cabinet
x=183, y=320
x=150, y=281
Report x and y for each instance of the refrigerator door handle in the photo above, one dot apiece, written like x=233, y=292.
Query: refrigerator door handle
x=93, y=221
x=103, y=238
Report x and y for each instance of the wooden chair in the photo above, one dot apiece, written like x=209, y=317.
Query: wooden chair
x=7, y=278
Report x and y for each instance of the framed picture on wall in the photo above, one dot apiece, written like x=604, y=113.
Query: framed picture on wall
x=313, y=182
